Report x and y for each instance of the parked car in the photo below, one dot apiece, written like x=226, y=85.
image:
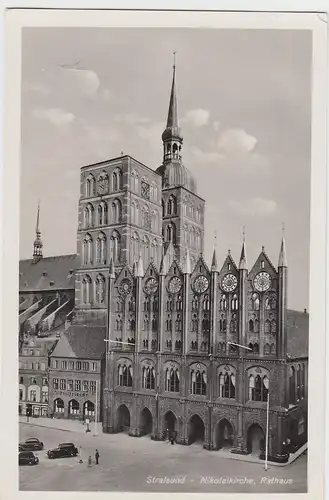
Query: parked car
x=63, y=450
x=27, y=458
x=31, y=444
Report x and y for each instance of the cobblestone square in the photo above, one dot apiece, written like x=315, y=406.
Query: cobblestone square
x=140, y=464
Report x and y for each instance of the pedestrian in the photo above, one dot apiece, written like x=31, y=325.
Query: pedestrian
x=97, y=457
x=89, y=461
x=168, y=435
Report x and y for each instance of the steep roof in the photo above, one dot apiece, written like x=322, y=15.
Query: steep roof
x=81, y=341
x=297, y=334
x=49, y=273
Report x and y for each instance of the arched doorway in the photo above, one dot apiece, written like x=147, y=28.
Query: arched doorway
x=59, y=406
x=146, y=422
x=123, y=419
x=88, y=410
x=224, y=435
x=169, y=422
x=196, y=430
x=74, y=408
x=255, y=440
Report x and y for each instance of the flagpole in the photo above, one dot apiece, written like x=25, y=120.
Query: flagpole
x=96, y=409
x=267, y=422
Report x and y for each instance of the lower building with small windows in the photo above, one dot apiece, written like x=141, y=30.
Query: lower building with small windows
x=33, y=378
x=75, y=374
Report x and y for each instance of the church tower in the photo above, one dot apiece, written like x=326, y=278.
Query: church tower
x=182, y=208
x=37, y=245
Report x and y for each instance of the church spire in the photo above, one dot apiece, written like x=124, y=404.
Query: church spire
x=243, y=257
x=37, y=245
x=282, y=255
x=172, y=137
x=172, y=120
x=214, y=256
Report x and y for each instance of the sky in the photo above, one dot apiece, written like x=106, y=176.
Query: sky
x=244, y=103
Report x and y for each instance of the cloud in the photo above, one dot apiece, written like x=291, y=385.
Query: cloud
x=206, y=156
x=130, y=119
x=216, y=125
x=254, y=207
x=38, y=88
x=236, y=141
x=150, y=132
x=197, y=117
x=107, y=94
x=87, y=80
x=56, y=116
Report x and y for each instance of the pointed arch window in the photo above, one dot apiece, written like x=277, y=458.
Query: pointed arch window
x=154, y=249
x=222, y=323
x=226, y=385
x=195, y=303
x=125, y=376
x=116, y=211
x=255, y=302
x=134, y=214
x=101, y=249
x=198, y=382
x=267, y=326
x=206, y=303
x=87, y=249
x=102, y=214
x=154, y=221
x=100, y=289
x=171, y=233
x=146, y=250
x=233, y=324
x=115, y=246
x=117, y=180
x=89, y=216
x=148, y=380
x=258, y=387
x=234, y=302
x=223, y=303
x=135, y=246
x=172, y=205
x=90, y=185
x=86, y=289
x=172, y=379
x=134, y=181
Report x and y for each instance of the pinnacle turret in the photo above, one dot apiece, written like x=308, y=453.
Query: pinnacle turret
x=37, y=245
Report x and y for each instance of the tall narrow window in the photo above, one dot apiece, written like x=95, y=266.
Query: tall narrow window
x=115, y=246
x=100, y=289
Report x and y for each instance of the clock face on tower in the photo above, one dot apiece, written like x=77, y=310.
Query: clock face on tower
x=262, y=282
x=229, y=283
x=125, y=287
x=151, y=286
x=174, y=285
x=201, y=284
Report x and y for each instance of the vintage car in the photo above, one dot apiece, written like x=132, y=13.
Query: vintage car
x=31, y=444
x=27, y=458
x=63, y=450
